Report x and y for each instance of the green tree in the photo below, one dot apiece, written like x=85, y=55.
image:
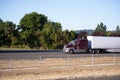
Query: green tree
x=68, y=36
x=1, y=33
x=101, y=28
x=51, y=35
x=108, y=33
x=34, y=31
x=7, y=33
x=30, y=29
x=118, y=29
x=33, y=21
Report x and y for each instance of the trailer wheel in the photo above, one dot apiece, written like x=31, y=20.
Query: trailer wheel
x=71, y=51
x=88, y=50
x=93, y=51
x=98, y=51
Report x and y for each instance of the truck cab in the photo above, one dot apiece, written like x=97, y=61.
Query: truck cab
x=77, y=45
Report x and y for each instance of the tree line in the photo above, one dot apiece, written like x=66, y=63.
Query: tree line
x=101, y=30
x=37, y=32
x=34, y=31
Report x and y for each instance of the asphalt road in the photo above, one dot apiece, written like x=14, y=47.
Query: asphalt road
x=43, y=54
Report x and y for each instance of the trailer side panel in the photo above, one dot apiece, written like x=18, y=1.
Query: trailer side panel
x=99, y=42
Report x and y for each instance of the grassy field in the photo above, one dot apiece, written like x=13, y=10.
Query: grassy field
x=70, y=69
x=116, y=77
x=56, y=62
x=74, y=72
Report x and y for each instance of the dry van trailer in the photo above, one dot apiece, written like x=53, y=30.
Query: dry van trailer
x=98, y=44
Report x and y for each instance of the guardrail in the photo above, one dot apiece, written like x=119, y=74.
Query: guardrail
x=11, y=62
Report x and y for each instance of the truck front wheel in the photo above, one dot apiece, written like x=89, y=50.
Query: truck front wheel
x=71, y=51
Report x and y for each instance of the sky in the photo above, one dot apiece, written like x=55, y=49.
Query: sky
x=72, y=14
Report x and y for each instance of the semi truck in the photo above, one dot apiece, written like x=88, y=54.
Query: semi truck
x=93, y=44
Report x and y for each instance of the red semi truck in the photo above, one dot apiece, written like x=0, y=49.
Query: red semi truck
x=93, y=44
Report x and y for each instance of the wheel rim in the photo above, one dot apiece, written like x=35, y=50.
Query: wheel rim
x=71, y=51
x=98, y=51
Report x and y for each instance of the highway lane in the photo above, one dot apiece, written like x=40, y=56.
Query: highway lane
x=29, y=54
x=43, y=54
x=23, y=51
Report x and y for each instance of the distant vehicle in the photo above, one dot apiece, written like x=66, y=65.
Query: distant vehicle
x=93, y=44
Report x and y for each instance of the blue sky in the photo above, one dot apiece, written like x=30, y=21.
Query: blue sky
x=72, y=14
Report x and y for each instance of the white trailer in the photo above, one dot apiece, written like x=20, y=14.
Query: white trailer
x=100, y=43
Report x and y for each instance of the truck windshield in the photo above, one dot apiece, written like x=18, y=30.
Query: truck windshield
x=71, y=43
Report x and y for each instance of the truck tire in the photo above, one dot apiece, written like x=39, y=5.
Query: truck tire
x=71, y=51
x=96, y=51
x=88, y=50
x=93, y=51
